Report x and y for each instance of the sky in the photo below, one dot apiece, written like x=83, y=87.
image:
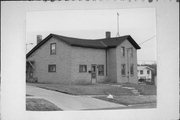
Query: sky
x=140, y=23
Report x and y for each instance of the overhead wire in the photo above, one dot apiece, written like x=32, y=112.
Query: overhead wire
x=147, y=40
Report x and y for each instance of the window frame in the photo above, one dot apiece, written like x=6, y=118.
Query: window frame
x=51, y=50
x=131, y=52
x=148, y=72
x=141, y=72
x=123, y=51
x=99, y=70
x=132, y=69
x=49, y=68
x=81, y=69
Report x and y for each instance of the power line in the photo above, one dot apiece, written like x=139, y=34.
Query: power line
x=147, y=40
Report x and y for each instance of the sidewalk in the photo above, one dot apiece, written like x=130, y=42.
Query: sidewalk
x=70, y=102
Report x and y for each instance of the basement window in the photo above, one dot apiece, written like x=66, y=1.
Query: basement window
x=52, y=68
x=123, y=69
x=82, y=68
x=52, y=48
x=101, y=70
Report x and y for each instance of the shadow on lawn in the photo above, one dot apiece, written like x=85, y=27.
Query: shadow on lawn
x=36, y=104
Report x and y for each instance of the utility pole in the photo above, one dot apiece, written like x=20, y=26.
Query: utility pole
x=117, y=25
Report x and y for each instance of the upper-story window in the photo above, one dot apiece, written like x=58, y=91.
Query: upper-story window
x=52, y=48
x=131, y=52
x=123, y=51
x=148, y=72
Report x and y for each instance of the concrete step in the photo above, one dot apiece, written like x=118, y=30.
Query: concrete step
x=133, y=90
x=136, y=92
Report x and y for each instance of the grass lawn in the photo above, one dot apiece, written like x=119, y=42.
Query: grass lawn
x=97, y=89
x=37, y=104
x=130, y=100
x=143, y=89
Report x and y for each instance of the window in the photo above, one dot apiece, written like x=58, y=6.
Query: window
x=100, y=70
x=52, y=48
x=82, y=68
x=131, y=52
x=123, y=69
x=123, y=51
x=141, y=71
x=148, y=72
x=132, y=69
x=52, y=68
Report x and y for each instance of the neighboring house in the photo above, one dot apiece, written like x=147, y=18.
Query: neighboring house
x=145, y=72
x=66, y=60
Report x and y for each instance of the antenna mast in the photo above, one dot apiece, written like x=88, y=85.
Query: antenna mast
x=117, y=25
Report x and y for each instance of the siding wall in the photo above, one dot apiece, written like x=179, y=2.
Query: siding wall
x=112, y=65
x=68, y=59
x=124, y=60
x=144, y=75
x=62, y=60
x=86, y=56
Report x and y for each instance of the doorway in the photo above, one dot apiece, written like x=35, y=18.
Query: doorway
x=93, y=73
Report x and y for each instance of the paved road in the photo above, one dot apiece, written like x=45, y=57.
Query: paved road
x=70, y=102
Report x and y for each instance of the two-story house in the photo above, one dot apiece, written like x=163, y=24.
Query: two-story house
x=67, y=60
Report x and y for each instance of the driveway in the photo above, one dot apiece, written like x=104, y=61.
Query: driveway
x=70, y=102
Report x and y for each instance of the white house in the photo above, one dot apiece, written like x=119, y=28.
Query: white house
x=145, y=72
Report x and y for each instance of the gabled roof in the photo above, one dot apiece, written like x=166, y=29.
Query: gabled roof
x=88, y=43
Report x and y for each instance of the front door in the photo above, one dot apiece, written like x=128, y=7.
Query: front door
x=93, y=74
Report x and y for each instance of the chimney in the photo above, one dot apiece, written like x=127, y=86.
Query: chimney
x=39, y=38
x=108, y=34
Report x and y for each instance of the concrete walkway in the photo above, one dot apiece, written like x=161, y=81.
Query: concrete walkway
x=70, y=102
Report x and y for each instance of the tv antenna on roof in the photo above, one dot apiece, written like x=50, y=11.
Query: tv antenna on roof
x=117, y=25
